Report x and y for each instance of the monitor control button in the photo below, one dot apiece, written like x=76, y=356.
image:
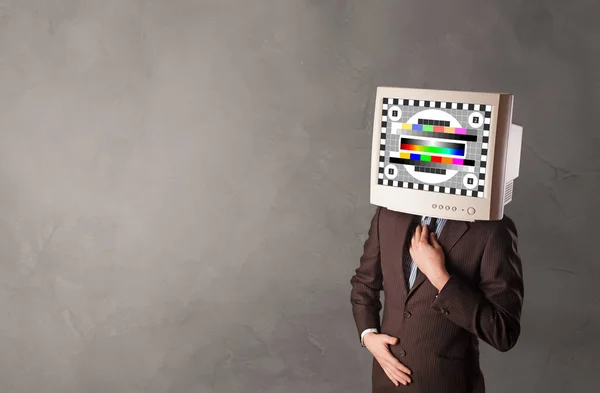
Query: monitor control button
x=453, y=208
x=447, y=207
x=434, y=206
x=441, y=207
x=471, y=211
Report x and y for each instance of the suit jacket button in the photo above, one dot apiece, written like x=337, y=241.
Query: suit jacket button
x=402, y=352
x=407, y=314
x=445, y=312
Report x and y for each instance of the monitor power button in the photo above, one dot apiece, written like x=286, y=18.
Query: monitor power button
x=471, y=211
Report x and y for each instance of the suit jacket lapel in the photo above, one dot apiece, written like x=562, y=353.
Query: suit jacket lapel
x=452, y=231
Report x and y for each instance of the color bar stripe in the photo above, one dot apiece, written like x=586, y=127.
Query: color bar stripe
x=432, y=142
x=432, y=149
x=428, y=128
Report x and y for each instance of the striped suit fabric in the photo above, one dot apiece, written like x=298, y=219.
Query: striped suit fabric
x=439, y=333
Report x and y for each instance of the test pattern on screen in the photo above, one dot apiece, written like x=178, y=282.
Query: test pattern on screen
x=434, y=145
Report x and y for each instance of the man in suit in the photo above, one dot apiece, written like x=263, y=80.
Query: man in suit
x=447, y=284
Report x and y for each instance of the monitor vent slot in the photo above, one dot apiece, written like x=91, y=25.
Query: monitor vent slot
x=508, y=192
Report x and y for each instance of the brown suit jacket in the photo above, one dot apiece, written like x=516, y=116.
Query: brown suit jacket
x=438, y=333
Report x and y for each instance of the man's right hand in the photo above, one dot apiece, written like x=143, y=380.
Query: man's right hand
x=377, y=344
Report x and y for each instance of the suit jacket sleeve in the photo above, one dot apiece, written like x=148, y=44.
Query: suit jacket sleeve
x=491, y=312
x=367, y=282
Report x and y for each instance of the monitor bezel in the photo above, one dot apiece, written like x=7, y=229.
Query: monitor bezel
x=421, y=202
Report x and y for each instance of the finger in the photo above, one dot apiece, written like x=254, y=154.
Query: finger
x=404, y=372
x=385, y=338
x=417, y=233
x=425, y=233
x=390, y=339
x=395, y=363
x=390, y=376
x=401, y=377
x=434, y=241
x=398, y=375
x=390, y=361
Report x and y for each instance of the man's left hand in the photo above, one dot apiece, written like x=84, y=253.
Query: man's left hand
x=429, y=257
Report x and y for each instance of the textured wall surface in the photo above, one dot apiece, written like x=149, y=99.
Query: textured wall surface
x=184, y=186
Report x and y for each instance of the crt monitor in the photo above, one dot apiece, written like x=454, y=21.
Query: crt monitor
x=441, y=153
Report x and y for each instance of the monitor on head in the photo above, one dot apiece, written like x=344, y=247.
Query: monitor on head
x=448, y=154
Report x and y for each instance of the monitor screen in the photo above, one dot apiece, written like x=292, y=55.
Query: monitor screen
x=434, y=146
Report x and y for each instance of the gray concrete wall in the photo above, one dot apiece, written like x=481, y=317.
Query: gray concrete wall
x=184, y=186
